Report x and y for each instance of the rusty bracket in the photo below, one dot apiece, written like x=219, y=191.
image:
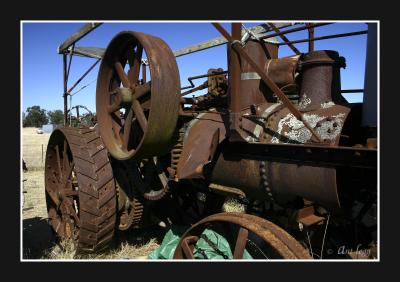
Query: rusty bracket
x=267, y=80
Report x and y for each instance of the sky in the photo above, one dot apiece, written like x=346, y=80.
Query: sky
x=42, y=72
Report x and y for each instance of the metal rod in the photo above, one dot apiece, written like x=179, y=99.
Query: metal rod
x=200, y=87
x=234, y=69
x=310, y=37
x=70, y=60
x=144, y=73
x=82, y=77
x=285, y=39
x=293, y=30
x=327, y=37
x=352, y=90
x=65, y=89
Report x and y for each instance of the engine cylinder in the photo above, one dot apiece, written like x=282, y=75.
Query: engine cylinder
x=280, y=182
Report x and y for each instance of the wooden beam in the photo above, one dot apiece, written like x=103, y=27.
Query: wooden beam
x=77, y=35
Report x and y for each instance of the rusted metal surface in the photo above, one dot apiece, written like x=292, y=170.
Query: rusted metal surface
x=283, y=71
x=198, y=147
x=320, y=86
x=80, y=189
x=317, y=184
x=306, y=216
x=241, y=173
x=244, y=231
x=150, y=116
x=251, y=84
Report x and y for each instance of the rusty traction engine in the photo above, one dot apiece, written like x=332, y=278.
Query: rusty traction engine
x=275, y=135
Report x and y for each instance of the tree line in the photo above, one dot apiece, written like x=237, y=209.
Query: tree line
x=37, y=117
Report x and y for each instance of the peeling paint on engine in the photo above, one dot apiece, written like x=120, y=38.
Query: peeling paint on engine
x=326, y=128
x=327, y=105
x=304, y=102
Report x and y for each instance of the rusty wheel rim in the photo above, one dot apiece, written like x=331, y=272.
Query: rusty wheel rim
x=151, y=107
x=61, y=188
x=277, y=243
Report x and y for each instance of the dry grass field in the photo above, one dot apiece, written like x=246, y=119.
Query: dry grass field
x=32, y=144
x=38, y=240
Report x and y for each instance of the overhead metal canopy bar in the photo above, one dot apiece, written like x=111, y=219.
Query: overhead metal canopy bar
x=91, y=52
x=97, y=53
x=222, y=40
x=78, y=35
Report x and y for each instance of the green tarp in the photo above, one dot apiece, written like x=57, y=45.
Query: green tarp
x=211, y=245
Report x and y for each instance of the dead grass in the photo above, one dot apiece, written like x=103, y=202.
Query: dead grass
x=119, y=249
x=233, y=205
x=32, y=147
x=66, y=251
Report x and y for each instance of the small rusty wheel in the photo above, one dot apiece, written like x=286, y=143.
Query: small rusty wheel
x=80, y=188
x=136, y=117
x=258, y=237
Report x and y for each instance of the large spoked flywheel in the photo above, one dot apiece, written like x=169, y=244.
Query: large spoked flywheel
x=137, y=116
x=247, y=236
x=80, y=188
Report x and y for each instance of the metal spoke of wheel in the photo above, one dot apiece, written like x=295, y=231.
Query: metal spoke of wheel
x=122, y=75
x=65, y=155
x=137, y=108
x=114, y=107
x=59, y=164
x=142, y=90
x=71, y=209
x=68, y=176
x=134, y=62
x=240, y=243
x=53, y=196
x=116, y=118
x=127, y=130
